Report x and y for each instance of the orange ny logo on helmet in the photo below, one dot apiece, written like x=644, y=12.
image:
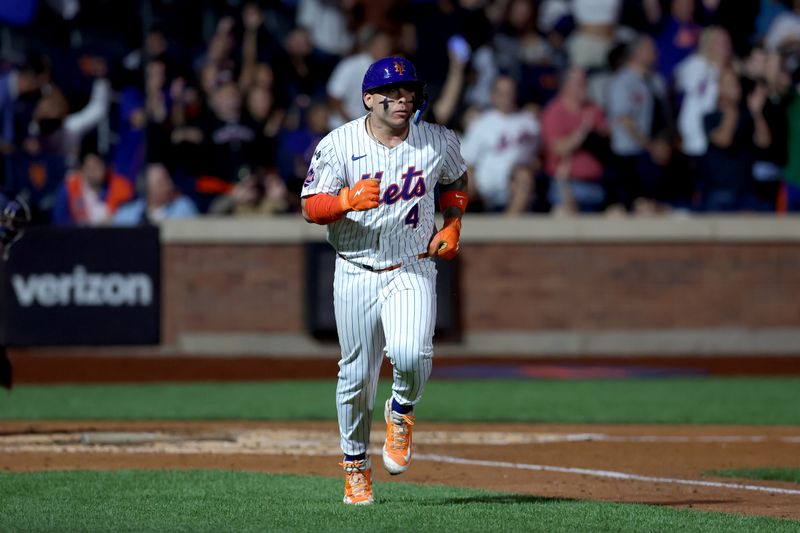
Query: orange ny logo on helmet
x=399, y=68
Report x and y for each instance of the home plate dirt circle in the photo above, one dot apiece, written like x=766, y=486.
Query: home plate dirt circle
x=644, y=464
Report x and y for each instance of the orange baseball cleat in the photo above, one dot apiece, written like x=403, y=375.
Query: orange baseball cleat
x=357, y=482
x=397, y=448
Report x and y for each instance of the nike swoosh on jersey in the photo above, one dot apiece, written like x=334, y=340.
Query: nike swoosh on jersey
x=354, y=158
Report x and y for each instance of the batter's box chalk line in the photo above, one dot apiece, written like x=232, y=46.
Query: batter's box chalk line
x=604, y=474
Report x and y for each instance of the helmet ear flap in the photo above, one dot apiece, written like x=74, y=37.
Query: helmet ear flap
x=420, y=103
x=420, y=98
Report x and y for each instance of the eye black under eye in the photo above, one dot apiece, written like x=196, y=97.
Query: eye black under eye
x=396, y=98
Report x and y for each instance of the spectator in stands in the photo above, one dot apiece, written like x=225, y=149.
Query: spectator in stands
x=641, y=153
x=449, y=102
x=785, y=29
x=229, y=135
x=763, y=71
x=768, y=11
x=158, y=108
x=303, y=73
x=247, y=107
x=260, y=51
x=129, y=152
x=15, y=84
x=734, y=131
x=260, y=109
x=223, y=141
x=697, y=80
x=220, y=51
x=525, y=54
x=262, y=192
x=500, y=146
x=344, y=85
x=296, y=148
x=518, y=41
x=425, y=36
x=274, y=114
x=575, y=134
x=327, y=26
x=483, y=73
x=596, y=20
x=258, y=47
x=92, y=194
x=161, y=201
x=551, y=13
x=790, y=194
x=677, y=37
x=55, y=130
x=156, y=46
x=148, y=111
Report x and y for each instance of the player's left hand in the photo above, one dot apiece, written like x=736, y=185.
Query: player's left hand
x=445, y=243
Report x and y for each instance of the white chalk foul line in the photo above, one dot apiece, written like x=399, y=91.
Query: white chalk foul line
x=708, y=439
x=604, y=473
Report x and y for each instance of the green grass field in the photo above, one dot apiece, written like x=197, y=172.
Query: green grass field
x=761, y=401
x=244, y=501
x=792, y=475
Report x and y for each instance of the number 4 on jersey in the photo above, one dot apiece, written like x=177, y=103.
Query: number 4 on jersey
x=413, y=216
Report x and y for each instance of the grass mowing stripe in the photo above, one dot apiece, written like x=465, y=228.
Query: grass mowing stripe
x=675, y=401
x=209, y=500
x=792, y=475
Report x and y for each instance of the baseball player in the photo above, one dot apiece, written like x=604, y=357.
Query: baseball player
x=371, y=181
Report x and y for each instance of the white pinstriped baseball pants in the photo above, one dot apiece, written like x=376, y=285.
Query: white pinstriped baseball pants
x=390, y=312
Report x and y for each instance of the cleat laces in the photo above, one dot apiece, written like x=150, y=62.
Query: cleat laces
x=401, y=433
x=357, y=479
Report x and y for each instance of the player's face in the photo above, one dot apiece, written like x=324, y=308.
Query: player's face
x=393, y=106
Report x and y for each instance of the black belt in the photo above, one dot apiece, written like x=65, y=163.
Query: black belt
x=423, y=255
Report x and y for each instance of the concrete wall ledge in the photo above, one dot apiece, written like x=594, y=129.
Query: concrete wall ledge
x=479, y=228
x=553, y=343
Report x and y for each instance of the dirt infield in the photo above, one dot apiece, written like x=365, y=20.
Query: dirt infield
x=661, y=465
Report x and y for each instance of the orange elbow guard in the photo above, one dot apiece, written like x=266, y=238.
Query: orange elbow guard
x=324, y=208
x=456, y=199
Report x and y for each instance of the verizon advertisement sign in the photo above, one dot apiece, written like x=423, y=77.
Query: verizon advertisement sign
x=82, y=286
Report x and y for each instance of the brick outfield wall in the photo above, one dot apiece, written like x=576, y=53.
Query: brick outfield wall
x=258, y=288
x=231, y=288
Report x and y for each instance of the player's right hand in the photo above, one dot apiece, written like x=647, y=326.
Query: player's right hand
x=364, y=195
x=445, y=243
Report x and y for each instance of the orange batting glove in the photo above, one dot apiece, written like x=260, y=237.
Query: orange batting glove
x=445, y=243
x=364, y=195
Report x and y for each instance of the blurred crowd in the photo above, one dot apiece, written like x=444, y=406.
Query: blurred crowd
x=130, y=112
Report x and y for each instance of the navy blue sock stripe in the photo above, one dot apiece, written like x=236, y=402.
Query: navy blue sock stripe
x=400, y=408
x=357, y=457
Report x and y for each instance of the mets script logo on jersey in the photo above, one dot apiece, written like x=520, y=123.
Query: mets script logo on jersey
x=413, y=186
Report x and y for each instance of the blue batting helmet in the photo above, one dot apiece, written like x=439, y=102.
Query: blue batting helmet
x=388, y=71
x=394, y=70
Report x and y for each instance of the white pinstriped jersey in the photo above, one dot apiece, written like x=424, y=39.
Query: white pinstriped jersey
x=402, y=225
